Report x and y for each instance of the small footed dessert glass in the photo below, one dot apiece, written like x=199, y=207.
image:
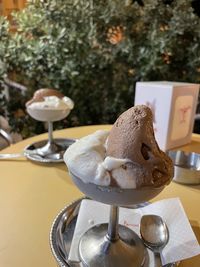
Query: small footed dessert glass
x=49, y=105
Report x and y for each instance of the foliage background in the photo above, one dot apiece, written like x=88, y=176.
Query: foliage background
x=94, y=51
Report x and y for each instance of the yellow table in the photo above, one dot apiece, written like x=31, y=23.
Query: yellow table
x=31, y=195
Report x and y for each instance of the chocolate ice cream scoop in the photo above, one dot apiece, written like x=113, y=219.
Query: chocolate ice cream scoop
x=41, y=93
x=132, y=138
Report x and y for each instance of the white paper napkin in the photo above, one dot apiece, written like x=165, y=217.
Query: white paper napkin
x=182, y=242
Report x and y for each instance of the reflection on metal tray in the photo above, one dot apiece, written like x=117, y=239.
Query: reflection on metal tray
x=31, y=151
x=62, y=233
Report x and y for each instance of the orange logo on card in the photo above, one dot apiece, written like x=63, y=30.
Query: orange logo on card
x=183, y=113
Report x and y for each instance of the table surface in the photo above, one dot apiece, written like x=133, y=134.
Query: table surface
x=31, y=195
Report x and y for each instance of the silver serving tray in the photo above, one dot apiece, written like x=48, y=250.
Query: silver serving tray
x=61, y=235
x=63, y=143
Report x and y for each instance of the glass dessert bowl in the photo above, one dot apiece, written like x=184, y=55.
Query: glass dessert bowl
x=114, y=195
x=120, y=168
x=49, y=105
x=48, y=115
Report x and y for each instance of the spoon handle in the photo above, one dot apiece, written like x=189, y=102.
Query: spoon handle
x=11, y=156
x=18, y=155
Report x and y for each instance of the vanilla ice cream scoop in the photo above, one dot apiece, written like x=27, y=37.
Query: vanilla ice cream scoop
x=126, y=157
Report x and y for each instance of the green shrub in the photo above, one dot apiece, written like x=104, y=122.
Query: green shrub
x=95, y=51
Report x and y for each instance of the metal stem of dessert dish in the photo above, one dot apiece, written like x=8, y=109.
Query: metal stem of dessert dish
x=113, y=234
x=50, y=131
x=51, y=148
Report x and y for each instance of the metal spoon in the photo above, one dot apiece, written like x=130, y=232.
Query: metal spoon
x=17, y=155
x=33, y=153
x=155, y=234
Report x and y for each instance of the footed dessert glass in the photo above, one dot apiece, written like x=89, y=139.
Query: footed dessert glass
x=113, y=245
x=49, y=116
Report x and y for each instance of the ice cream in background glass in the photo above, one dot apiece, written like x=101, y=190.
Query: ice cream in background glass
x=49, y=105
x=122, y=166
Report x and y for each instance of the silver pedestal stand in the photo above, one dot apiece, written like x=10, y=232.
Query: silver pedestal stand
x=51, y=148
x=111, y=245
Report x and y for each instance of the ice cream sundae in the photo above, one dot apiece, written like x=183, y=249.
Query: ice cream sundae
x=126, y=157
x=122, y=167
x=49, y=105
